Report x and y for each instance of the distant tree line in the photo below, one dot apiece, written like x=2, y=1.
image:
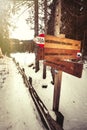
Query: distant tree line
x=22, y=46
x=5, y=9
x=73, y=22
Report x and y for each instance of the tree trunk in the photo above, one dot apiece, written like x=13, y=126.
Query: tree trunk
x=57, y=22
x=36, y=34
x=58, y=76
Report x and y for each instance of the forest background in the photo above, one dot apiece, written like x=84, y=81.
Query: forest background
x=47, y=16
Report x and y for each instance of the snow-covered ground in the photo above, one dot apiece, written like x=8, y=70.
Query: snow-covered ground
x=17, y=111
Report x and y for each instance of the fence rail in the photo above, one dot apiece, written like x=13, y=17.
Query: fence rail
x=46, y=118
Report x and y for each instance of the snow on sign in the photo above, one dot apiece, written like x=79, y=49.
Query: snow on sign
x=40, y=40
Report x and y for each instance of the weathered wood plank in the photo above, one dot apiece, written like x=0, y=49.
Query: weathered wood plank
x=40, y=53
x=63, y=50
x=72, y=68
x=60, y=53
x=60, y=43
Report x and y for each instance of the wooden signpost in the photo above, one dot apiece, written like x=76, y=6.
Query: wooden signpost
x=61, y=54
x=39, y=40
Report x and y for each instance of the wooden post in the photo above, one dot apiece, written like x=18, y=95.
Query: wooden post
x=44, y=71
x=45, y=23
x=57, y=88
x=36, y=60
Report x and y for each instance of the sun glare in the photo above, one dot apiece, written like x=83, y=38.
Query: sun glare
x=23, y=30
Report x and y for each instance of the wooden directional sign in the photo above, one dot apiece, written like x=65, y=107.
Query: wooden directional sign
x=72, y=68
x=58, y=53
x=58, y=50
x=61, y=48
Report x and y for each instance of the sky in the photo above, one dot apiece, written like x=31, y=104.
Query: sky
x=23, y=30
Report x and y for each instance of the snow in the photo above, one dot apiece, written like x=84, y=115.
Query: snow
x=17, y=110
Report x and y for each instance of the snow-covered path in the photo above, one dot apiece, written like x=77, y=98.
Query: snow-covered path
x=17, y=111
